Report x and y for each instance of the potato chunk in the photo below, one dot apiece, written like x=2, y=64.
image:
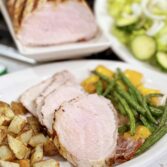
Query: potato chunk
x=25, y=163
x=3, y=133
x=6, y=110
x=50, y=163
x=6, y=154
x=8, y=164
x=18, y=108
x=37, y=154
x=18, y=148
x=25, y=137
x=37, y=139
x=50, y=148
x=34, y=124
x=16, y=125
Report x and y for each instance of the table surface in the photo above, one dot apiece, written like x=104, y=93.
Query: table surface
x=14, y=65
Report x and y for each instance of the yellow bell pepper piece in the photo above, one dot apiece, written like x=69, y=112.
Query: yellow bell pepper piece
x=89, y=84
x=104, y=71
x=142, y=132
x=134, y=76
x=145, y=91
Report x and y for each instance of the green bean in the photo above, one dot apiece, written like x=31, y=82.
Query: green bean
x=99, y=87
x=136, y=93
x=130, y=100
x=146, y=123
x=109, y=87
x=134, y=112
x=148, y=113
x=161, y=107
x=156, y=136
x=155, y=111
x=153, y=95
x=103, y=77
x=132, y=94
x=163, y=119
x=129, y=113
x=122, y=129
x=121, y=109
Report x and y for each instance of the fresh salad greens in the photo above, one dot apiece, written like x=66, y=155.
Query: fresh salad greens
x=142, y=26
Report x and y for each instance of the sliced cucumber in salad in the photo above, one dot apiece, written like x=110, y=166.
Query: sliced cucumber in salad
x=143, y=47
x=123, y=22
x=162, y=59
x=141, y=25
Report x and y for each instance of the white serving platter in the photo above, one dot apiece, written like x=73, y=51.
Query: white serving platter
x=12, y=85
x=106, y=22
x=66, y=51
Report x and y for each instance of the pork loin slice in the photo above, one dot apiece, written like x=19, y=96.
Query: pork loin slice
x=57, y=23
x=53, y=101
x=86, y=131
x=64, y=78
x=29, y=96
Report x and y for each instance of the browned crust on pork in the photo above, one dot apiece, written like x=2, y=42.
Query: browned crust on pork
x=29, y=7
x=10, y=6
x=17, y=13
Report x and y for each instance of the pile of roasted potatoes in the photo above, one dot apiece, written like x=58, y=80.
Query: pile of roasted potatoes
x=23, y=142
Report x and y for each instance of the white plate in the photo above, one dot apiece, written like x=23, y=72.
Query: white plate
x=105, y=22
x=75, y=50
x=12, y=85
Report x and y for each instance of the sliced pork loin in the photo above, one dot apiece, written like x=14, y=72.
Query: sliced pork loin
x=56, y=22
x=53, y=101
x=62, y=79
x=86, y=131
x=29, y=97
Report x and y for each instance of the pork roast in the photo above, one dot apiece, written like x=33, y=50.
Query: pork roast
x=52, y=22
x=86, y=131
x=53, y=101
x=32, y=98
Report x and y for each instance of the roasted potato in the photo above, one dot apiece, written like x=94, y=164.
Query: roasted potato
x=38, y=139
x=34, y=124
x=16, y=125
x=37, y=154
x=8, y=164
x=6, y=154
x=24, y=163
x=4, y=121
x=6, y=110
x=3, y=133
x=18, y=108
x=18, y=148
x=49, y=148
x=50, y=163
x=25, y=137
x=27, y=127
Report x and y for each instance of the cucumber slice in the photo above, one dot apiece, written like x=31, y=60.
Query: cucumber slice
x=162, y=59
x=143, y=47
x=3, y=70
x=123, y=22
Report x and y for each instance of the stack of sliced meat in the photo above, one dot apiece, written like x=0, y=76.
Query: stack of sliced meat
x=51, y=22
x=84, y=126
